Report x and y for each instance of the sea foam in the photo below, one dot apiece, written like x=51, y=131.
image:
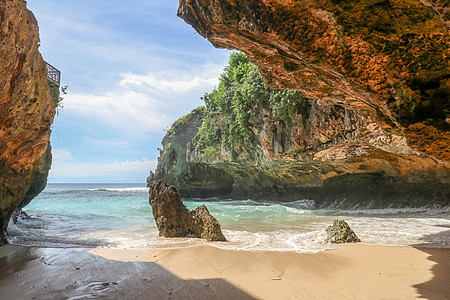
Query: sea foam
x=118, y=215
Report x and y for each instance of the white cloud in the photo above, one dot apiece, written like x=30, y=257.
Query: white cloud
x=127, y=111
x=165, y=69
x=107, y=142
x=61, y=155
x=154, y=84
x=141, y=104
x=170, y=82
x=64, y=168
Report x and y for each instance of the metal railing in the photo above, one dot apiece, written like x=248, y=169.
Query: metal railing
x=53, y=73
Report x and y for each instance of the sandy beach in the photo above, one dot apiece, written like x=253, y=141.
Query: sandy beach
x=356, y=271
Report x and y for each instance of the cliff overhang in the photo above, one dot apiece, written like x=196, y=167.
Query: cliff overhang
x=374, y=131
x=389, y=57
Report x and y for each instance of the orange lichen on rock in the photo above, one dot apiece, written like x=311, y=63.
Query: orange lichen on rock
x=392, y=56
x=430, y=136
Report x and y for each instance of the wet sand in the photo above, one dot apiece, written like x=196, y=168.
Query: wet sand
x=356, y=271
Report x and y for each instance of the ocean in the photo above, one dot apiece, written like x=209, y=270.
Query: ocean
x=119, y=216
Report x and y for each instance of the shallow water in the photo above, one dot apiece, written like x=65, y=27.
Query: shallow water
x=118, y=215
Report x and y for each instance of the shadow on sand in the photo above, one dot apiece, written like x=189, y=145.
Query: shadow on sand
x=439, y=286
x=37, y=273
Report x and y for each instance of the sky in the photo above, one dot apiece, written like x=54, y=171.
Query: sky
x=133, y=68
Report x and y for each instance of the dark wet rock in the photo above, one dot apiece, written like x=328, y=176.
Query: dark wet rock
x=340, y=232
x=40, y=182
x=173, y=219
x=19, y=215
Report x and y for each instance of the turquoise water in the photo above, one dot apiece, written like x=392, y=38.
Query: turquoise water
x=119, y=215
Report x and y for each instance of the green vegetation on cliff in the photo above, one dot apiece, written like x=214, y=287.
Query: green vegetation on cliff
x=241, y=95
x=253, y=142
x=57, y=93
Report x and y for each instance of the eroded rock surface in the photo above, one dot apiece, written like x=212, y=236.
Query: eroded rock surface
x=340, y=232
x=26, y=111
x=376, y=127
x=387, y=59
x=175, y=167
x=336, y=155
x=173, y=219
x=205, y=225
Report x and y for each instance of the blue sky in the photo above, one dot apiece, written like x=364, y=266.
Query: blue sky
x=133, y=68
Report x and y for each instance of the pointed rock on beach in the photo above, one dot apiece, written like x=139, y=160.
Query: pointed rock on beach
x=340, y=232
x=205, y=225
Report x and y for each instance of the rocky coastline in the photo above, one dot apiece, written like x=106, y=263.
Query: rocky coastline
x=374, y=130
x=367, y=176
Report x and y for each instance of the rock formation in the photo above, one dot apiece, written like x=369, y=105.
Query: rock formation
x=340, y=232
x=374, y=131
x=26, y=111
x=335, y=155
x=388, y=59
x=173, y=219
x=193, y=179
x=205, y=225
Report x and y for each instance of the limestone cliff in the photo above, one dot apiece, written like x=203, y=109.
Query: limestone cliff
x=175, y=166
x=375, y=128
x=254, y=142
x=26, y=111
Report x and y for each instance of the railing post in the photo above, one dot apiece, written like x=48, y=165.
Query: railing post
x=53, y=74
x=54, y=82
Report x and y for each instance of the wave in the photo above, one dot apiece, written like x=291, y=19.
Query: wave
x=55, y=242
x=426, y=211
x=119, y=215
x=129, y=189
x=308, y=206
x=33, y=233
x=304, y=203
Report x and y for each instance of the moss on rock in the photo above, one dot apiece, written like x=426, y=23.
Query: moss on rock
x=340, y=232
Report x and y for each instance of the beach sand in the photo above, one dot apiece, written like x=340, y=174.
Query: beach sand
x=356, y=271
